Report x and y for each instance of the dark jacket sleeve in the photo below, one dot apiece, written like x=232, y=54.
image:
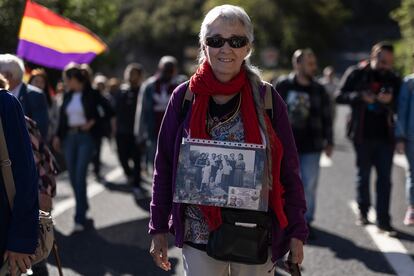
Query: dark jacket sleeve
x=281, y=87
x=63, y=118
x=38, y=110
x=22, y=233
x=144, y=116
x=295, y=205
x=348, y=93
x=107, y=107
x=327, y=128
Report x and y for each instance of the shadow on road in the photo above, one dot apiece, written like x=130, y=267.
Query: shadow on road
x=405, y=236
x=116, y=250
x=346, y=250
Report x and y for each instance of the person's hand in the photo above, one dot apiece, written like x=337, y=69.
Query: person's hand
x=158, y=251
x=87, y=126
x=328, y=150
x=56, y=144
x=384, y=97
x=18, y=262
x=296, y=251
x=45, y=202
x=368, y=97
x=400, y=147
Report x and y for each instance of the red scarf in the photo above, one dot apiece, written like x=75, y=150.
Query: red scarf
x=204, y=85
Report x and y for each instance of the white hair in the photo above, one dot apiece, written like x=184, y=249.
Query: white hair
x=232, y=14
x=13, y=65
x=228, y=13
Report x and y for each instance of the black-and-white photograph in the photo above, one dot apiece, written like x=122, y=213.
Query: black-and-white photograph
x=221, y=174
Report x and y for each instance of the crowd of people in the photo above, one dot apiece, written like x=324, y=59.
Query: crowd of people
x=74, y=116
x=146, y=118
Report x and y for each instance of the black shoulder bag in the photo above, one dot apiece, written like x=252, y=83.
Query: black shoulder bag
x=243, y=237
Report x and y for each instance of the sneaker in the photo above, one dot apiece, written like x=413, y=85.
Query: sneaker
x=409, y=216
x=362, y=220
x=387, y=229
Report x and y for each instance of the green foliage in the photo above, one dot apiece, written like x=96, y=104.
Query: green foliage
x=162, y=25
x=143, y=28
x=10, y=16
x=405, y=48
x=292, y=24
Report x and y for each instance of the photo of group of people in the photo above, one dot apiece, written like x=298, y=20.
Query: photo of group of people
x=220, y=175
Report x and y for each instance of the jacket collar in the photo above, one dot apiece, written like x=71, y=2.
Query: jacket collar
x=22, y=92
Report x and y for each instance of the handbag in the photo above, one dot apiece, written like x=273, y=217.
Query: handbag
x=46, y=239
x=243, y=237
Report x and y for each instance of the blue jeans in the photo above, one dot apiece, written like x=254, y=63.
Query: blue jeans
x=78, y=149
x=409, y=184
x=378, y=154
x=309, y=171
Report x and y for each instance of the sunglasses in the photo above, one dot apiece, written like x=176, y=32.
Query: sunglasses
x=233, y=41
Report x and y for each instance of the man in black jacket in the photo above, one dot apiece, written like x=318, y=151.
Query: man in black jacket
x=309, y=109
x=370, y=89
x=125, y=102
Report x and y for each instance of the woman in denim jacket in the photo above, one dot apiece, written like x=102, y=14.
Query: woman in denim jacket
x=404, y=133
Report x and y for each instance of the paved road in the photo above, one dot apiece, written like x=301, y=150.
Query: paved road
x=119, y=243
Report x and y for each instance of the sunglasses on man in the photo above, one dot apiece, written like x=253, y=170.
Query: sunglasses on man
x=233, y=41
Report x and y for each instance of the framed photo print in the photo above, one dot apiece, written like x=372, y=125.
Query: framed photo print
x=224, y=174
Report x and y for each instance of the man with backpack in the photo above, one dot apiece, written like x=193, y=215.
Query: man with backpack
x=309, y=109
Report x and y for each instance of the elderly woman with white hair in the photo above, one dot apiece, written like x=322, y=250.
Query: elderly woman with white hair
x=227, y=105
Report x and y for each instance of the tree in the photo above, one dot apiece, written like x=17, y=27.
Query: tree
x=10, y=17
x=292, y=24
x=405, y=17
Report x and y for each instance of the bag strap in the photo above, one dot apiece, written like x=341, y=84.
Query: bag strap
x=6, y=170
x=188, y=99
x=57, y=257
x=268, y=99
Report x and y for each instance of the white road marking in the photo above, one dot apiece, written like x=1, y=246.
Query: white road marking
x=94, y=189
x=393, y=250
x=401, y=161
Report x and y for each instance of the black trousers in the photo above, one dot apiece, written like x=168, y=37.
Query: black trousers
x=376, y=154
x=129, y=152
x=96, y=159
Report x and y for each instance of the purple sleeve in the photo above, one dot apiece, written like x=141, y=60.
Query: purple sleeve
x=161, y=203
x=295, y=205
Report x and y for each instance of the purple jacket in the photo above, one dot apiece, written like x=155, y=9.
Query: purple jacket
x=168, y=216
